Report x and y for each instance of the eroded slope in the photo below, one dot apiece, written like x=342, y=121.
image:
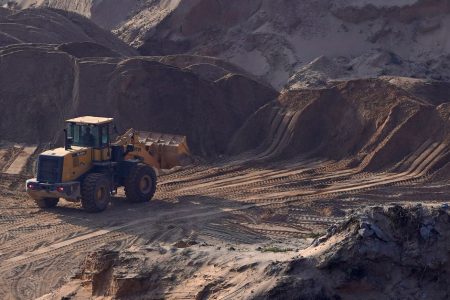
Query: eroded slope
x=371, y=123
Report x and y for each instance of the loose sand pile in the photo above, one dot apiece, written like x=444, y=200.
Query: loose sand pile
x=45, y=84
x=372, y=122
x=108, y=14
x=57, y=64
x=280, y=41
x=51, y=26
x=376, y=63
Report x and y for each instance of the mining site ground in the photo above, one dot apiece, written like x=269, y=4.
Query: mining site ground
x=242, y=205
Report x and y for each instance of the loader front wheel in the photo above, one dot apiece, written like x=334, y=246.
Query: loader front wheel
x=47, y=202
x=95, y=192
x=140, y=186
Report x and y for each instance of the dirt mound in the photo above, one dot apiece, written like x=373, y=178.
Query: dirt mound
x=87, y=49
x=434, y=92
x=39, y=91
x=395, y=251
x=404, y=11
x=84, y=72
x=51, y=26
x=322, y=71
x=207, y=71
x=276, y=39
x=205, y=66
x=140, y=93
x=107, y=14
x=373, y=122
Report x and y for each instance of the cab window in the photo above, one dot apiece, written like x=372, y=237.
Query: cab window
x=104, y=133
x=84, y=135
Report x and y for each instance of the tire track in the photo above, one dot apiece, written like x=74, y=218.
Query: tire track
x=230, y=181
x=250, y=187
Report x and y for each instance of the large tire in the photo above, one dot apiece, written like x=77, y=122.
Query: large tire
x=47, y=202
x=140, y=186
x=95, y=192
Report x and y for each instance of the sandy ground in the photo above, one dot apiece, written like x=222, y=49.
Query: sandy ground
x=233, y=210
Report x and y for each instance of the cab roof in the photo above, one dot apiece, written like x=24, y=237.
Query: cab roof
x=90, y=120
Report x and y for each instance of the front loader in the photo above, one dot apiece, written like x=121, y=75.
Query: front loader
x=90, y=168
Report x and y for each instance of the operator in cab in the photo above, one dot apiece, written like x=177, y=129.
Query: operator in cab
x=88, y=138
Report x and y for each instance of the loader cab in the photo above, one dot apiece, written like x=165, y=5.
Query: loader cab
x=90, y=132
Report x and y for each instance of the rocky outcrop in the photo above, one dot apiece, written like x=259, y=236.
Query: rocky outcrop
x=392, y=252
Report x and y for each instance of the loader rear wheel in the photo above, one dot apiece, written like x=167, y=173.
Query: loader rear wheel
x=140, y=186
x=47, y=202
x=95, y=192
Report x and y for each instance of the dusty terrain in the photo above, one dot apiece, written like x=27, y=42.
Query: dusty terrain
x=214, y=229
x=275, y=204
x=238, y=226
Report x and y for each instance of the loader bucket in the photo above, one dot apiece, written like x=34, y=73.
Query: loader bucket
x=170, y=150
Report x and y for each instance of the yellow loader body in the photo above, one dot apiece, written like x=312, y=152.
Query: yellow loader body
x=90, y=168
x=159, y=150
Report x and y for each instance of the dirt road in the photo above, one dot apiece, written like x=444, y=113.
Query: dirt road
x=242, y=203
